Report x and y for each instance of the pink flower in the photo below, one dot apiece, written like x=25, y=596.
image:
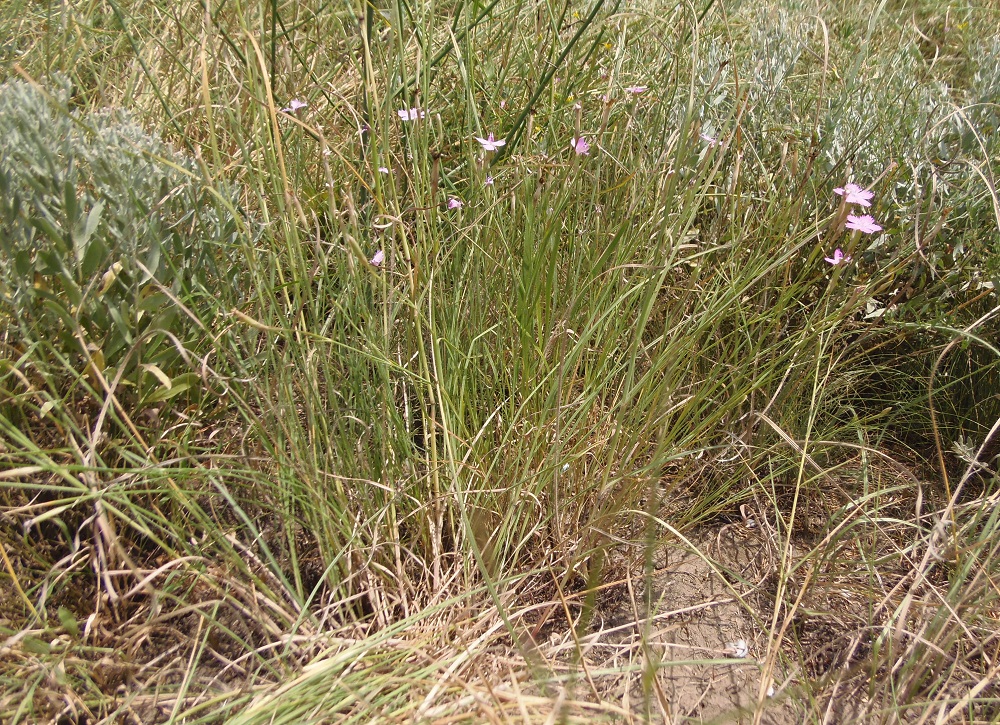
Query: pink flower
x=454, y=203
x=864, y=224
x=489, y=181
x=636, y=90
x=503, y=104
x=710, y=140
x=377, y=260
x=294, y=105
x=411, y=114
x=383, y=170
x=854, y=194
x=838, y=258
x=489, y=143
x=581, y=146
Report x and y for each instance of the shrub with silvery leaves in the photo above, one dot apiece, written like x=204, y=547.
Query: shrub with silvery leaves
x=103, y=229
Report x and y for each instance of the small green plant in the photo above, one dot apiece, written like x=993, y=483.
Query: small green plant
x=104, y=230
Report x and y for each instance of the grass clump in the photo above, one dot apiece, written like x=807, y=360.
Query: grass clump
x=342, y=414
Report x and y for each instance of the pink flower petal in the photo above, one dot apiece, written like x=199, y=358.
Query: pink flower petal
x=490, y=143
x=854, y=194
x=838, y=258
x=864, y=224
x=294, y=105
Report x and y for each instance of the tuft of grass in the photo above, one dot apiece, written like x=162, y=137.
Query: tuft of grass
x=340, y=491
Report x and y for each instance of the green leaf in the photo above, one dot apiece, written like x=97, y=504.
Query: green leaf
x=35, y=646
x=51, y=263
x=69, y=201
x=22, y=263
x=93, y=258
x=68, y=621
x=152, y=302
x=181, y=383
x=122, y=321
x=152, y=262
x=46, y=227
x=58, y=308
x=93, y=219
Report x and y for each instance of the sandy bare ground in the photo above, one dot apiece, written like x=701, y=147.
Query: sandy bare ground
x=699, y=657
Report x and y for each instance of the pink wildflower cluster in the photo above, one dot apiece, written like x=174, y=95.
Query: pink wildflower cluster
x=865, y=223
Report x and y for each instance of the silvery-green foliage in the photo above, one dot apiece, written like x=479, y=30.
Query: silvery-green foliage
x=984, y=111
x=984, y=94
x=101, y=223
x=882, y=110
x=776, y=42
x=943, y=200
x=890, y=117
x=763, y=60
